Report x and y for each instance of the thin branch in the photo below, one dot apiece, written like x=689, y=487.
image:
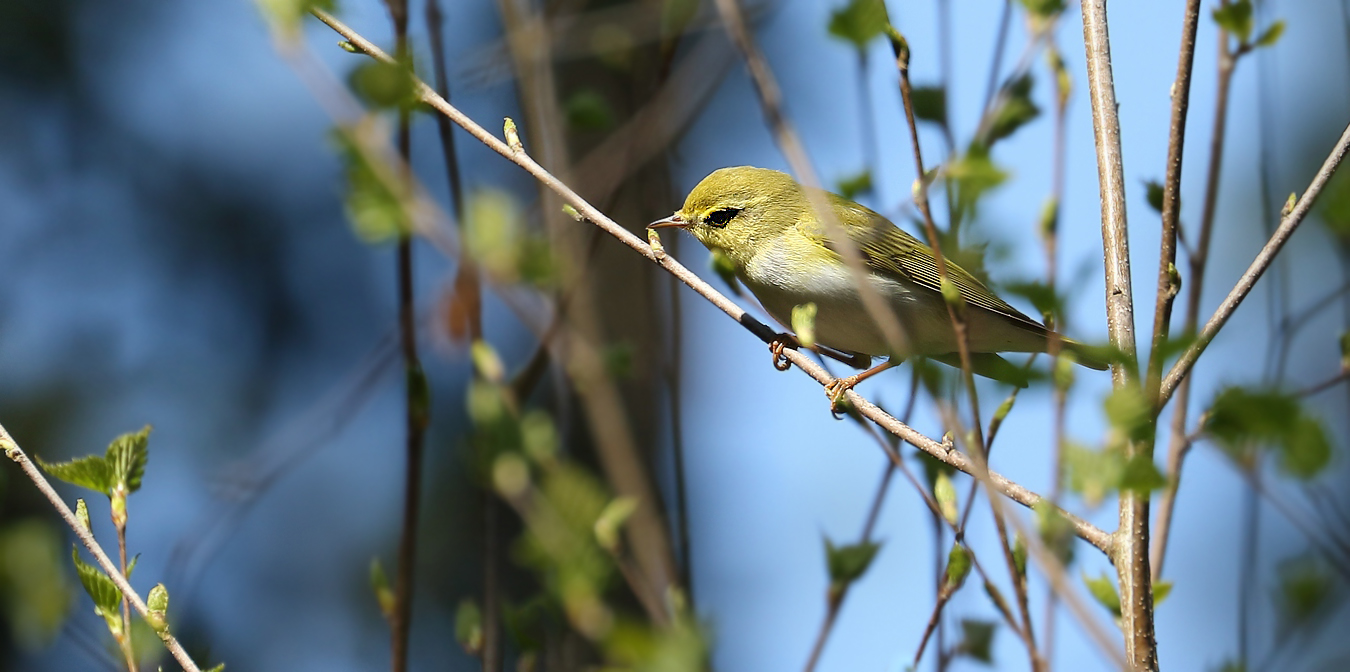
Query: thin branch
x=86, y=537
x=1288, y=224
x=1131, y=556
x=1171, y=203
x=943, y=452
x=1178, y=446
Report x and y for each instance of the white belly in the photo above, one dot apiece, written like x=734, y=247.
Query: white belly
x=842, y=322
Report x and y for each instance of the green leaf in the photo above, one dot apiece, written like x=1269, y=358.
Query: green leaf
x=1141, y=475
x=1015, y=109
x=850, y=187
x=157, y=603
x=285, y=15
x=1094, y=474
x=930, y=103
x=384, y=85
x=1236, y=19
x=218, y=668
x=1049, y=223
x=858, y=22
x=1335, y=206
x=1154, y=191
x=1306, y=594
x=945, y=494
x=974, y=174
x=1103, y=589
x=847, y=563
x=376, y=212
x=725, y=269
x=804, y=323
x=90, y=471
x=469, y=626
x=97, y=584
x=1240, y=417
x=1056, y=531
x=977, y=639
x=126, y=458
x=587, y=110
x=379, y=584
x=1041, y=296
x=538, y=436
x=1043, y=9
x=611, y=520
x=494, y=230
x=1019, y=553
x=1161, y=589
x=958, y=567
x=1130, y=413
x=1271, y=34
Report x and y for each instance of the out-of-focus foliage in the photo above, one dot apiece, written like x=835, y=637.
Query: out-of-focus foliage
x=34, y=590
x=1242, y=420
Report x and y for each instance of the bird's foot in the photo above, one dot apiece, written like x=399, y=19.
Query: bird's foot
x=777, y=346
x=837, y=390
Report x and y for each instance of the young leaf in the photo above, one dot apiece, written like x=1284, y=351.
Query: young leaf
x=1161, y=589
x=1093, y=473
x=958, y=567
x=850, y=187
x=469, y=626
x=1236, y=19
x=1271, y=34
x=858, y=22
x=1043, y=9
x=1104, y=590
x=847, y=563
x=945, y=494
x=1239, y=417
x=611, y=521
x=379, y=584
x=90, y=471
x=1130, y=412
x=1141, y=475
x=930, y=103
x=100, y=588
x=383, y=84
x=126, y=459
x=157, y=603
x=587, y=110
x=376, y=212
x=1014, y=111
x=1154, y=193
x=804, y=323
x=1056, y=532
x=977, y=639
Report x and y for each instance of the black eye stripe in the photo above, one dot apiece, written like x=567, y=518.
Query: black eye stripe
x=719, y=218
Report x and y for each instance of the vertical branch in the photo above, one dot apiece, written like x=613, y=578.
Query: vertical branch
x=1178, y=442
x=1131, y=542
x=1171, y=200
x=124, y=638
x=415, y=419
x=467, y=293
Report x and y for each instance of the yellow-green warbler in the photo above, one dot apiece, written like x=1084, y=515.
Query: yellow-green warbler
x=763, y=221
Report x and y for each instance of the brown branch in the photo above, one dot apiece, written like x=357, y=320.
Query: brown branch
x=1131, y=556
x=1171, y=199
x=86, y=537
x=1178, y=445
x=943, y=452
x=1288, y=224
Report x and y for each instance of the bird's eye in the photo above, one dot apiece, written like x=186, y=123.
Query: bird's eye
x=719, y=218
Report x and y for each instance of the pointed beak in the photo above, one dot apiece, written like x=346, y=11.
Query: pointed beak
x=672, y=221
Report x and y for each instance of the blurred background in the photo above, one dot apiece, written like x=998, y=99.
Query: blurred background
x=176, y=252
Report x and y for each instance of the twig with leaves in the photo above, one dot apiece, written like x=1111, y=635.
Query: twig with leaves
x=116, y=474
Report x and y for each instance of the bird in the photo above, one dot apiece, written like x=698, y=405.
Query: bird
x=765, y=224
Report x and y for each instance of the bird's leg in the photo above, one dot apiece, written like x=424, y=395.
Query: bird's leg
x=778, y=345
x=836, y=389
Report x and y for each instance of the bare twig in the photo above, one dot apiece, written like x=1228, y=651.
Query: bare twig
x=86, y=537
x=1178, y=446
x=1288, y=224
x=1131, y=556
x=1085, y=530
x=1171, y=203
